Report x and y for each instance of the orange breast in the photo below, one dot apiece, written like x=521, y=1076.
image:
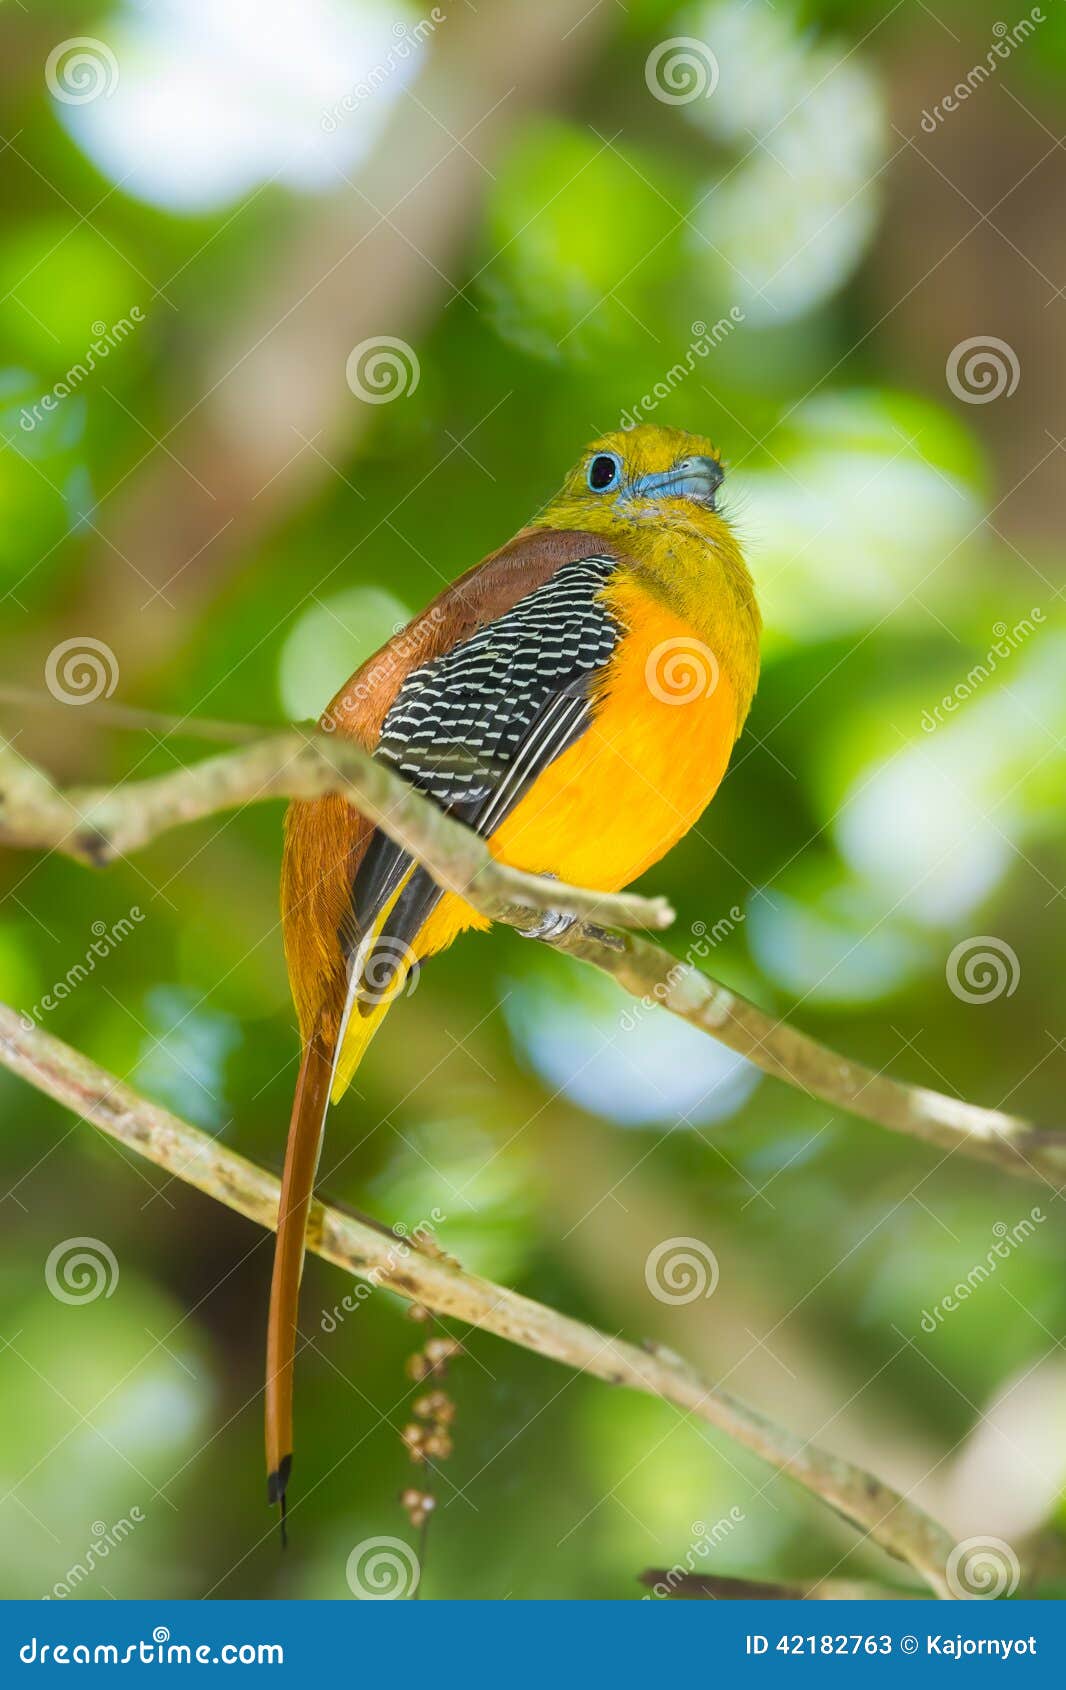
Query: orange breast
x=637, y=779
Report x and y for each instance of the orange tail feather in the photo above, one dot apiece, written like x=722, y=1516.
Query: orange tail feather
x=301, y=1164
x=325, y=1073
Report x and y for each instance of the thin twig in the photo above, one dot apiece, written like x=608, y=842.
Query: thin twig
x=670, y=1585
x=989, y=1135
x=94, y=825
x=439, y=1284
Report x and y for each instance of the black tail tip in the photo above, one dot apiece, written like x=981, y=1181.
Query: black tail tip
x=276, y=1483
x=278, y=1480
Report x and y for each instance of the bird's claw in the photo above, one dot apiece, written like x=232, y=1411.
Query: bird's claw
x=551, y=925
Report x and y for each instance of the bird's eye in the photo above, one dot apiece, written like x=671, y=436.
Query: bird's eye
x=604, y=471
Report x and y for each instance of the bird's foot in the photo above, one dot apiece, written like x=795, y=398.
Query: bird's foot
x=551, y=925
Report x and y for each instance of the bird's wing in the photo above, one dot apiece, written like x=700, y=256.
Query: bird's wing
x=473, y=729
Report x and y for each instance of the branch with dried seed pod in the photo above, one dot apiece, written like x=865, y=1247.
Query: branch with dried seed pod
x=438, y=1285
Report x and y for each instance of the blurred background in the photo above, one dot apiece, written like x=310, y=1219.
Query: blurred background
x=304, y=308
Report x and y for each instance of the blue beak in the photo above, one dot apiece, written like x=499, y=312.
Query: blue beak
x=692, y=478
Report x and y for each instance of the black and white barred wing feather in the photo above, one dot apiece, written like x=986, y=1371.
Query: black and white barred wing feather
x=473, y=730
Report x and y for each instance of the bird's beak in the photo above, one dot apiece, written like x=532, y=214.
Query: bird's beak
x=692, y=478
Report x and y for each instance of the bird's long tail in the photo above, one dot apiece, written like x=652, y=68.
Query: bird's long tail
x=301, y=1164
x=329, y=1061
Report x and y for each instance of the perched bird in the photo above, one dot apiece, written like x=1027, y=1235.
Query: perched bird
x=574, y=698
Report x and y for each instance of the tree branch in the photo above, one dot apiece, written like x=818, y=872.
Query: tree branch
x=441, y=1285
x=95, y=825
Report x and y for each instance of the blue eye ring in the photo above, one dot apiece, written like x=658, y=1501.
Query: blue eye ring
x=604, y=472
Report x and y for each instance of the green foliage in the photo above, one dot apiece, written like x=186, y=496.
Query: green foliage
x=570, y=221
x=865, y=829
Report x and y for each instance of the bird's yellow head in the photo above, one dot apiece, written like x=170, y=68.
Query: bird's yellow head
x=639, y=476
x=653, y=493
